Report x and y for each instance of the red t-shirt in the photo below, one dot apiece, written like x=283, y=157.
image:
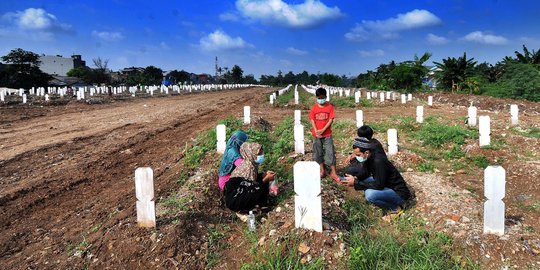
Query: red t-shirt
x=321, y=116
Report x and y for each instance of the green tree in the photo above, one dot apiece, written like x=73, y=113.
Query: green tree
x=22, y=70
x=454, y=71
x=250, y=79
x=79, y=72
x=152, y=75
x=178, y=77
x=236, y=74
x=331, y=79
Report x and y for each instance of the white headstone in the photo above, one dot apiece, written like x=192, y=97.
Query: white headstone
x=272, y=99
x=297, y=117
x=368, y=95
x=485, y=130
x=2, y=96
x=46, y=97
x=356, y=97
x=494, y=191
x=307, y=201
x=144, y=190
x=299, y=139
x=359, y=118
x=514, y=111
x=430, y=101
x=24, y=98
x=471, y=113
x=419, y=114
x=388, y=95
x=247, y=115
x=409, y=97
x=221, y=137
x=296, y=97
x=381, y=97
x=392, y=141
x=403, y=99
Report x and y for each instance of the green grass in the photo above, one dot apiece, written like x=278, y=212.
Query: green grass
x=480, y=161
x=366, y=103
x=175, y=203
x=454, y=153
x=343, y=102
x=532, y=132
x=436, y=134
x=284, y=99
x=215, y=244
x=284, y=255
x=408, y=245
x=426, y=166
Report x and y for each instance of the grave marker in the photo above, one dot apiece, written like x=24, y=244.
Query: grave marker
x=484, y=129
x=419, y=114
x=392, y=141
x=144, y=190
x=403, y=99
x=299, y=139
x=297, y=117
x=514, y=111
x=24, y=98
x=430, y=101
x=356, y=97
x=359, y=118
x=307, y=201
x=221, y=135
x=494, y=189
x=381, y=97
x=471, y=112
x=409, y=97
x=247, y=116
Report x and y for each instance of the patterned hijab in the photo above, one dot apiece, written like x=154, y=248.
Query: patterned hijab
x=248, y=169
x=232, y=152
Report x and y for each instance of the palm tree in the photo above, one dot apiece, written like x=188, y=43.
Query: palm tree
x=528, y=57
x=454, y=71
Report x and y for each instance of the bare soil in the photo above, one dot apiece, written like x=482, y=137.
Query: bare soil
x=67, y=193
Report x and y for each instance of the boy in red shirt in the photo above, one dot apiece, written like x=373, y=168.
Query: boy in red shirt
x=321, y=116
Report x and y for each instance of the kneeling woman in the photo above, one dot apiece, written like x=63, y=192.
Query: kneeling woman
x=247, y=187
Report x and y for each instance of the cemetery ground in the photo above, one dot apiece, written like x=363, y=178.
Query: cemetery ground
x=67, y=194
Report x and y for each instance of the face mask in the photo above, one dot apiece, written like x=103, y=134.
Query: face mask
x=321, y=101
x=259, y=159
x=361, y=159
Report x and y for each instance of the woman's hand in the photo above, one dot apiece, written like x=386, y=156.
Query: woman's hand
x=349, y=180
x=270, y=175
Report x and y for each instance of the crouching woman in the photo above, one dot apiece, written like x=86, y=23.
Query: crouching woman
x=247, y=187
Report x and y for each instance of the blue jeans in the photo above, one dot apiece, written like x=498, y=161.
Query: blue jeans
x=386, y=198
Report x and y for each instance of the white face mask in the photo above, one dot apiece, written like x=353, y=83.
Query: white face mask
x=361, y=159
x=321, y=101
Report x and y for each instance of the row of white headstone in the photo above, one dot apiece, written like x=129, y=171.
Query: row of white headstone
x=273, y=96
x=82, y=92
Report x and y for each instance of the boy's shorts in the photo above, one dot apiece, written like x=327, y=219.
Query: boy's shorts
x=323, y=151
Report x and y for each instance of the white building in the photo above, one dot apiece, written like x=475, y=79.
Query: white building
x=58, y=65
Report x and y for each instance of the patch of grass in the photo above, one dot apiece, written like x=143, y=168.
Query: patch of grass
x=458, y=165
x=343, y=102
x=381, y=126
x=480, y=161
x=284, y=99
x=405, y=123
x=435, y=134
x=410, y=246
x=366, y=103
x=283, y=256
x=175, y=203
x=215, y=245
x=532, y=132
x=95, y=228
x=454, y=153
x=426, y=166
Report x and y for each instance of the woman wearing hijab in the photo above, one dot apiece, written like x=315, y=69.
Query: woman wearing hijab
x=247, y=187
x=231, y=158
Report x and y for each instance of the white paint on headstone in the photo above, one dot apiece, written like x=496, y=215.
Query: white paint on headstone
x=494, y=191
x=392, y=141
x=296, y=97
x=247, y=115
x=2, y=96
x=514, y=111
x=221, y=137
x=359, y=118
x=368, y=95
x=307, y=201
x=471, y=113
x=403, y=99
x=297, y=117
x=24, y=98
x=357, y=97
x=381, y=97
x=299, y=139
x=272, y=99
x=430, y=101
x=46, y=97
x=144, y=190
x=419, y=114
x=484, y=129
x=388, y=94
x=409, y=97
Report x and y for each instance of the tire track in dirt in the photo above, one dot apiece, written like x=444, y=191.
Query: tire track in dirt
x=58, y=206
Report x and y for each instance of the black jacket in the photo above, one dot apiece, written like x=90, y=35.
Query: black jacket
x=385, y=175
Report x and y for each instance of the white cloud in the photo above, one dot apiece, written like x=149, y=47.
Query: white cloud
x=295, y=51
x=229, y=16
x=372, y=53
x=310, y=13
x=219, y=40
x=485, y=38
x=108, y=36
x=436, y=40
x=36, y=23
x=390, y=28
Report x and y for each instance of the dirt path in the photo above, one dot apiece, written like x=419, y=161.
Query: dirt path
x=65, y=172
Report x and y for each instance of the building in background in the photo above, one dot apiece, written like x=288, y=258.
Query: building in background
x=58, y=65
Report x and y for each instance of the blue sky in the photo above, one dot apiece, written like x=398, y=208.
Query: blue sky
x=262, y=37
